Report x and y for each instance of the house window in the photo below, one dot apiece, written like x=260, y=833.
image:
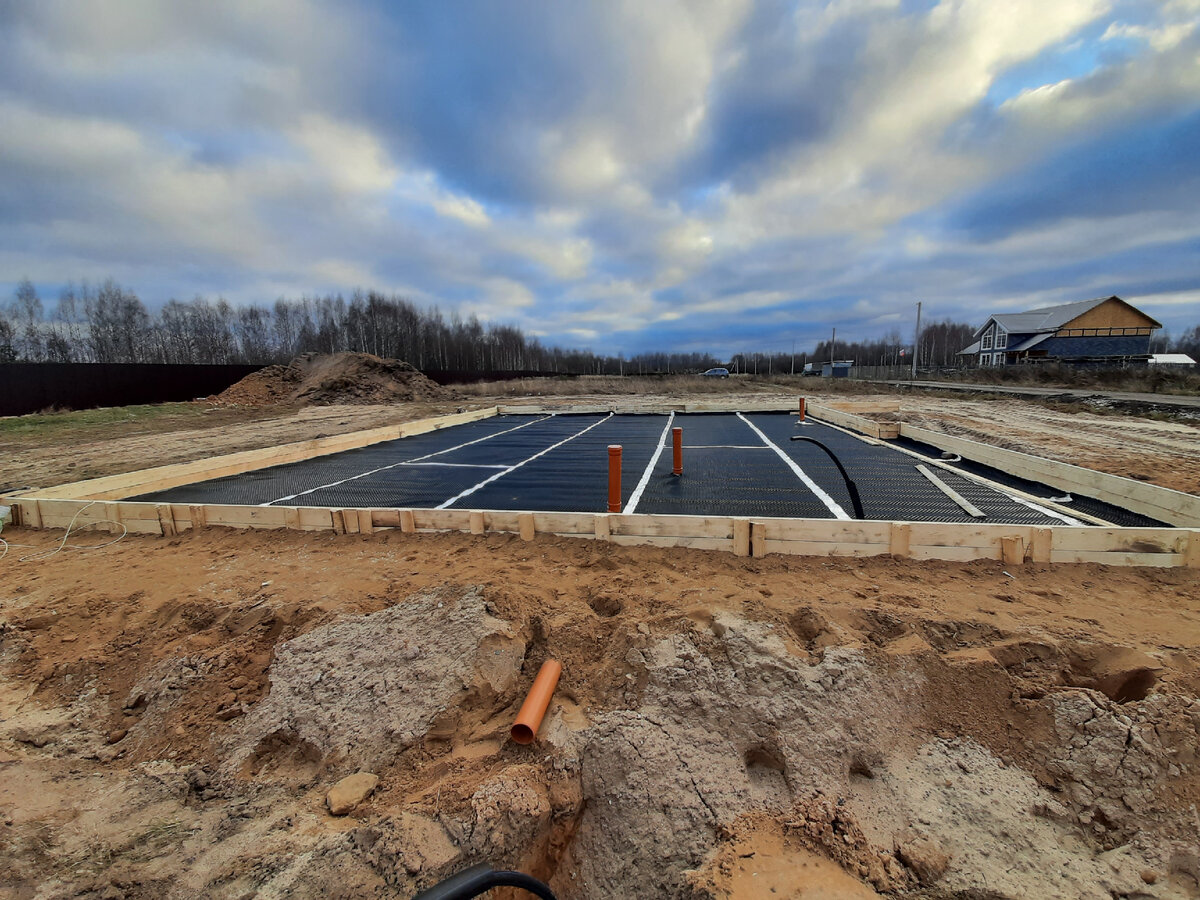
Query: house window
x=1001, y=338
x=987, y=340
x=998, y=359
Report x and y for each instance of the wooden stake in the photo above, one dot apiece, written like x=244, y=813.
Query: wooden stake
x=898, y=540
x=1012, y=550
x=476, y=522
x=741, y=537
x=408, y=524
x=526, y=524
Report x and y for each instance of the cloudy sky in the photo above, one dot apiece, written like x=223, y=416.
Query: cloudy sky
x=619, y=175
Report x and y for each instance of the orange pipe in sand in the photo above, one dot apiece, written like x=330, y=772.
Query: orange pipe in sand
x=529, y=719
x=677, y=444
x=614, y=478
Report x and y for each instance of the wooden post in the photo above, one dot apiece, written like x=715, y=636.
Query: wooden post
x=408, y=524
x=801, y=409
x=525, y=521
x=758, y=539
x=291, y=516
x=898, y=539
x=1039, y=547
x=476, y=522
x=1191, y=553
x=197, y=516
x=614, y=478
x=601, y=527
x=365, y=524
x=339, y=521
x=677, y=445
x=31, y=513
x=1012, y=550
x=741, y=537
x=166, y=520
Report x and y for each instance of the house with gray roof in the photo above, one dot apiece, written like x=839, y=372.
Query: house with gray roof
x=1106, y=331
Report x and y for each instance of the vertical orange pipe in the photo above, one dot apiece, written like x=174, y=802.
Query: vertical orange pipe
x=677, y=444
x=801, y=409
x=525, y=728
x=614, y=478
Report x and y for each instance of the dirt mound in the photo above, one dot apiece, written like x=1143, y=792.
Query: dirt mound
x=322, y=379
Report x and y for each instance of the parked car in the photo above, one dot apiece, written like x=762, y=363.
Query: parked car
x=718, y=372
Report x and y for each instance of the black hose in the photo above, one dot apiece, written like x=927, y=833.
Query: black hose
x=851, y=487
x=479, y=880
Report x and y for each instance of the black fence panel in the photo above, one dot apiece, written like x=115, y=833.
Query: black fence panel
x=30, y=387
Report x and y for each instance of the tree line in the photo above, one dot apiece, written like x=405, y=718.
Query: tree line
x=109, y=323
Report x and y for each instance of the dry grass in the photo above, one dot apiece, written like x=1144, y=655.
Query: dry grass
x=663, y=385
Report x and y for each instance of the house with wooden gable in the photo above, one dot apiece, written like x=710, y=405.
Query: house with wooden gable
x=1107, y=331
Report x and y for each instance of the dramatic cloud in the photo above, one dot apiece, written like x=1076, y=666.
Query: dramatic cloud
x=715, y=176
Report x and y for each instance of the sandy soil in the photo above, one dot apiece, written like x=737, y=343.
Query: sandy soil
x=174, y=712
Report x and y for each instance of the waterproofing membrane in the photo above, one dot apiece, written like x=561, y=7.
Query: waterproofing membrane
x=732, y=466
x=1087, y=505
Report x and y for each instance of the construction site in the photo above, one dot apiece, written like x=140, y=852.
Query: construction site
x=816, y=641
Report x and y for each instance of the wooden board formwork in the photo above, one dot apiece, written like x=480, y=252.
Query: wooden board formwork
x=1163, y=504
x=861, y=424
x=161, y=478
x=756, y=537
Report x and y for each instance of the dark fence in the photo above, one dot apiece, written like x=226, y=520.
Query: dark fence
x=29, y=387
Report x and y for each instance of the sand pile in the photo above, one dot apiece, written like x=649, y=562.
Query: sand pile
x=323, y=378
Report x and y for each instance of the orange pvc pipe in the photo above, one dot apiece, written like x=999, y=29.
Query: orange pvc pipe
x=529, y=719
x=614, y=478
x=677, y=444
x=801, y=409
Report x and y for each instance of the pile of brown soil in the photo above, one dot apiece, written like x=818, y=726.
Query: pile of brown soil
x=322, y=379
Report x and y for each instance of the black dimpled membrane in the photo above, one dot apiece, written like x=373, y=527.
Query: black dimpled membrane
x=733, y=465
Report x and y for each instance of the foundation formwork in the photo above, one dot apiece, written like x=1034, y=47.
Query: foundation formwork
x=103, y=500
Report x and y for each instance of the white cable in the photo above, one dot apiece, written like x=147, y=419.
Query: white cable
x=63, y=545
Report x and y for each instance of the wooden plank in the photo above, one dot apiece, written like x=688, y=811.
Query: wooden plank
x=826, y=530
x=898, y=540
x=245, y=516
x=291, y=517
x=196, y=514
x=741, y=537
x=365, y=523
x=942, y=534
x=1191, y=557
x=1012, y=550
x=1040, y=547
x=31, y=512
x=163, y=477
x=674, y=526
x=1113, y=558
x=821, y=548
x=602, y=529
x=339, y=521
x=315, y=518
x=953, y=554
x=758, y=539
x=442, y=519
x=476, y=522
x=408, y=522
x=385, y=518
x=963, y=503
x=528, y=529
x=1160, y=503
x=861, y=424
x=1125, y=540
x=166, y=521
x=649, y=540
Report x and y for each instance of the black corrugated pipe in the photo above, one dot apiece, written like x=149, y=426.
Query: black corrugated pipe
x=850, y=485
x=479, y=880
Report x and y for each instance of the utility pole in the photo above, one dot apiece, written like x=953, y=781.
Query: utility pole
x=793, y=356
x=832, y=344
x=916, y=342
